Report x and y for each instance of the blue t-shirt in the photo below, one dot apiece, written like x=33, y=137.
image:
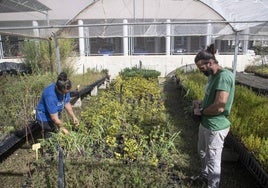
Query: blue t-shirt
x=51, y=102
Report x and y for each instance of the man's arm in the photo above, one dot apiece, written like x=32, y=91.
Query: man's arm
x=56, y=120
x=70, y=111
x=219, y=104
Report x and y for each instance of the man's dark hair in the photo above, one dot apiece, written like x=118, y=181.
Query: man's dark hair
x=62, y=76
x=63, y=82
x=207, y=54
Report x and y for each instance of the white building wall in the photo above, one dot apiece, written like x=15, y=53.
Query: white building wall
x=163, y=64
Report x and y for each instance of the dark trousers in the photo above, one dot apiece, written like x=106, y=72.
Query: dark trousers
x=46, y=128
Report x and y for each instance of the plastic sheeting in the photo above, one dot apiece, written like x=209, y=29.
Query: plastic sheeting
x=235, y=11
x=104, y=18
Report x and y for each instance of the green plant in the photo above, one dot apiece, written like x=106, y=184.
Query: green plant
x=20, y=95
x=138, y=72
x=40, y=55
x=122, y=129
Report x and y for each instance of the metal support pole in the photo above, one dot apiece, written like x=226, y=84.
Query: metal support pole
x=57, y=54
x=1, y=49
x=236, y=52
x=50, y=55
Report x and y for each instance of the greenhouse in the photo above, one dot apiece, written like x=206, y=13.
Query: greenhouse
x=132, y=86
x=174, y=21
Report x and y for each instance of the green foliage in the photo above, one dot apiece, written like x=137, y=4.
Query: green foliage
x=104, y=173
x=129, y=116
x=137, y=72
x=83, y=80
x=261, y=69
x=249, y=113
x=123, y=129
x=40, y=55
x=20, y=95
x=194, y=83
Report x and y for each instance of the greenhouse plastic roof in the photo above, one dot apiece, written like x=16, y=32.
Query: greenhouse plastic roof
x=188, y=17
x=253, y=11
x=8, y=6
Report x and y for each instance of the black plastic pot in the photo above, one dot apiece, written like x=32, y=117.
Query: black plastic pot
x=248, y=160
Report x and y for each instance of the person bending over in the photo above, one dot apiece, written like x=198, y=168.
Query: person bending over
x=54, y=99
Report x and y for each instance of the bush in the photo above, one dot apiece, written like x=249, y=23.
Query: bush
x=136, y=72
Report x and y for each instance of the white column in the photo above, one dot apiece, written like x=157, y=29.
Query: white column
x=36, y=34
x=35, y=31
x=81, y=38
x=125, y=39
x=209, y=32
x=168, y=34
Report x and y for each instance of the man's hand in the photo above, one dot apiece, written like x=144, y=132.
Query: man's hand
x=64, y=130
x=75, y=121
x=196, y=105
x=197, y=112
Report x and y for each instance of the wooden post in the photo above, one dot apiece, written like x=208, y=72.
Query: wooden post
x=35, y=147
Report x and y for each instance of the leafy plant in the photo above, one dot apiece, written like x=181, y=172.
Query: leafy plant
x=139, y=72
x=40, y=56
x=122, y=129
x=20, y=95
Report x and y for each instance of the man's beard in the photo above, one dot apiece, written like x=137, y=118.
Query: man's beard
x=207, y=72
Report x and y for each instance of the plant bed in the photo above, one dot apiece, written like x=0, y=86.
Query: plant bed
x=16, y=139
x=257, y=84
x=263, y=75
x=249, y=160
x=87, y=168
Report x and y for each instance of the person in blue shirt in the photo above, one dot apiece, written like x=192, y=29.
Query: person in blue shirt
x=54, y=99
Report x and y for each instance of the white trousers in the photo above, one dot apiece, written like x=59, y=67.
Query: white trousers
x=210, y=145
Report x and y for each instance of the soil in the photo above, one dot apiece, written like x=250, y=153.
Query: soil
x=14, y=171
